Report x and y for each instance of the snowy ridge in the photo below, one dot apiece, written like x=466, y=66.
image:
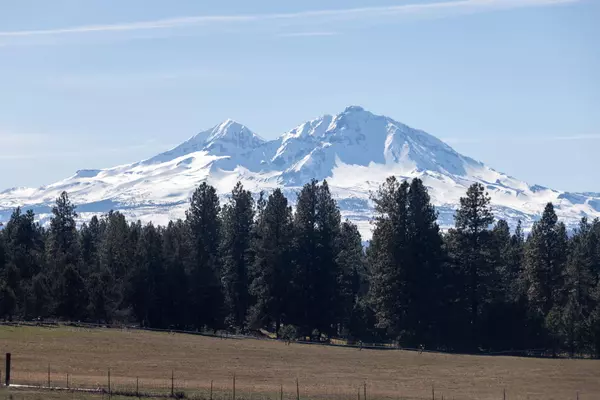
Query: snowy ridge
x=354, y=150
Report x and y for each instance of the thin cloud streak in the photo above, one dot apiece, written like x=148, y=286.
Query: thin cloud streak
x=364, y=13
x=132, y=26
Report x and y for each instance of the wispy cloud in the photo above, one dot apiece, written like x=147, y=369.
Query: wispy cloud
x=131, y=26
x=314, y=17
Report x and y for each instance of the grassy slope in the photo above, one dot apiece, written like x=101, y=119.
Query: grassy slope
x=262, y=366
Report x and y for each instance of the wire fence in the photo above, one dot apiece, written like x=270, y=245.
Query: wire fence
x=173, y=387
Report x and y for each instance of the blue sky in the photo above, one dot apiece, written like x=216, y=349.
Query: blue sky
x=96, y=83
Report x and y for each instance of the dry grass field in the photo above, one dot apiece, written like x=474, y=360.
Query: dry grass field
x=6, y=394
x=262, y=366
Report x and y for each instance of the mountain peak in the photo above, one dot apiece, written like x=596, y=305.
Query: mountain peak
x=353, y=109
x=227, y=137
x=230, y=124
x=233, y=132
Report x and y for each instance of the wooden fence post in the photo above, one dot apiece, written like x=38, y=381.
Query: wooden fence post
x=365, y=394
x=211, y=390
x=234, y=386
x=109, y=388
x=297, y=389
x=7, y=369
x=281, y=393
x=67, y=380
x=172, y=383
x=137, y=386
x=48, y=375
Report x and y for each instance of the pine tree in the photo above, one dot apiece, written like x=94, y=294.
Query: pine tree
x=514, y=271
x=203, y=223
x=406, y=259
x=177, y=252
x=253, y=316
x=387, y=253
x=579, y=287
x=545, y=258
x=238, y=220
x=118, y=243
x=71, y=294
x=23, y=254
x=351, y=282
x=2, y=254
x=304, y=302
x=593, y=322
x=62, y=252
x=148, y=289
x=328, y=220
x=8, y=301
x=472, y=239
x=99, y=281
x=89, y=238
x=111, y=265
x=423, y=268
x=7, y=297
x=39, y=297
x=63, y=248
x=545, y=261
x=500, y=253
x=271, y=268
x=316, y=225
x=101, y=307
x=504, y=321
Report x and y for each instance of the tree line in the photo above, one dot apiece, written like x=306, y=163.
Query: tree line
x=253, y=264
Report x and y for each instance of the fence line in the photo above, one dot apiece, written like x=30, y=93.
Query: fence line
x=161, y=391
x=179, y=390
x=170, y=386
x=182, y=391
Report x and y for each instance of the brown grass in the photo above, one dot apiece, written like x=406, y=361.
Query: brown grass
x=262, y=366
x=20, y=394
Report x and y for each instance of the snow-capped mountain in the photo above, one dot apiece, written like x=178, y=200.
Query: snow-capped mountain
x=354, y=150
